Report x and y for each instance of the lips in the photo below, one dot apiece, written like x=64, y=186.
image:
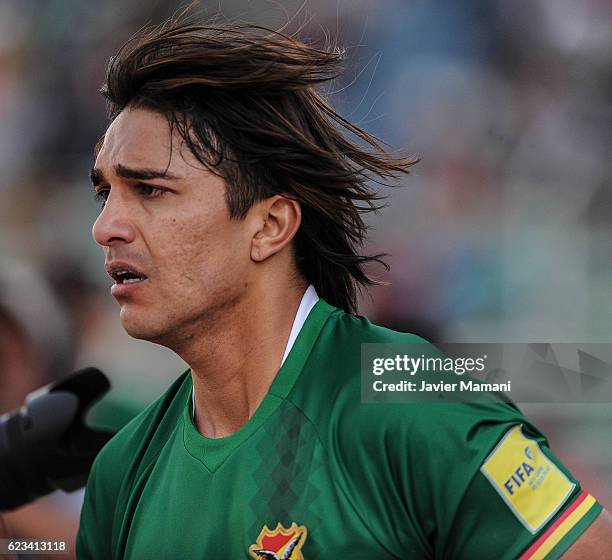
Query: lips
x=126, y=276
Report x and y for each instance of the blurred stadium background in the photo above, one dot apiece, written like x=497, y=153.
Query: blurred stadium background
x=503, y=233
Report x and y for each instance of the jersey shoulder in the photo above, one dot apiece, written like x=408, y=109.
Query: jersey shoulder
x=119, y=466
x=140, y=441
x=330, y=385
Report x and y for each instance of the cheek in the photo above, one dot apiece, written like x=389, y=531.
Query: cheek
x=199, y=250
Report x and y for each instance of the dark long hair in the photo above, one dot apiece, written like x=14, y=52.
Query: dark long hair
x=245, y=101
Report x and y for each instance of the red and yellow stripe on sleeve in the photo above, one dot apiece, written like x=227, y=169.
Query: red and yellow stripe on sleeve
x=565, y=530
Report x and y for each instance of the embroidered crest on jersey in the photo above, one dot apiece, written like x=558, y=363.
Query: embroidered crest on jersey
x=531, y=485
x=280, y=544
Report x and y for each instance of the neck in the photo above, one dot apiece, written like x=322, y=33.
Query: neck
x=234, y=363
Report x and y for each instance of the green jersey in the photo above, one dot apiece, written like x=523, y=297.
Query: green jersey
x=316, y=475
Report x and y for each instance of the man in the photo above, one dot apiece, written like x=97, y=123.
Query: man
x=232, y=197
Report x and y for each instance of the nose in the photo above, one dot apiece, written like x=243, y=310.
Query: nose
x=114, y=224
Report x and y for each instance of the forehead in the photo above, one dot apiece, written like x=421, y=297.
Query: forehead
x=142, y=138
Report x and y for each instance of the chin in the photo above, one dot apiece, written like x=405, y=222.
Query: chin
x=141, y=327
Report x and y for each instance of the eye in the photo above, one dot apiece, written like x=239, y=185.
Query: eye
x=149, y=191
x=101, y=195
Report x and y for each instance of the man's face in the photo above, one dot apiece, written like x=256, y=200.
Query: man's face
x=175, y=255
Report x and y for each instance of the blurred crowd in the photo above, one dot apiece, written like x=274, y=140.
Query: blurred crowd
x=503, y=232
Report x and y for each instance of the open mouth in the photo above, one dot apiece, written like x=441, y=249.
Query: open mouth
x=126, y=275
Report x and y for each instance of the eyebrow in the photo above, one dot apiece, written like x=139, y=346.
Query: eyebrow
x=141, y=173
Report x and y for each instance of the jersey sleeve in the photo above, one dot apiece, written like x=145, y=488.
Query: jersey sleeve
x=509, y=496
x=93, y=538
x=84, y=541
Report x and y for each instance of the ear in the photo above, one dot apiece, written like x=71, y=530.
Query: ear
x=280, y=218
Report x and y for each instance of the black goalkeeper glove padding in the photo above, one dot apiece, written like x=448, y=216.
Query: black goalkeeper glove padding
x=45, y=445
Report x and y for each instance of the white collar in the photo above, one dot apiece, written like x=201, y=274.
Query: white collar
x=309, y=299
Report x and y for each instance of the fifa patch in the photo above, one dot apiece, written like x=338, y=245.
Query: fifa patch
x=280, y=544
x=532, y=486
